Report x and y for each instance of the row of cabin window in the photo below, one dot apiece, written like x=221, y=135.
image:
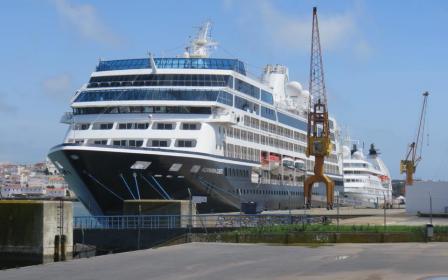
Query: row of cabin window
x=360, y=172
x=353, y=172
x=269, y=127
x=280, y=130
x=162, y=126
x=355, y=180
x=362, y=181
x=142, y=110
x=241, y=152
x=236, y=172
x=269, y=192
x=332, y=158
x=166, y=94
x=245, y=153
x=330, y=168
x=128, y=143
x=173, y=63
x=272, y=141
x=264, y=140
x=358, y=165
x=286, y=120
x=272, y=128
x=181, y=143
x=181, y=80
x=222, y=97
x=162, y=80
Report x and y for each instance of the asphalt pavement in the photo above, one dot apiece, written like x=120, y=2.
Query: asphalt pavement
x=249, y=261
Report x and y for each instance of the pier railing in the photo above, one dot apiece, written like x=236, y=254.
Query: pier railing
x=195, y=221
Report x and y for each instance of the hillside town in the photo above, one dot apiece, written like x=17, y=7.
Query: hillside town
x=38, y=180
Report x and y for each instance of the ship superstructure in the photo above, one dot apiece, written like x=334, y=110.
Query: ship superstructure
x=155, y=127
x=367, y=180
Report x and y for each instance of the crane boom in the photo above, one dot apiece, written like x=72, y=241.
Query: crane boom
x=414, y=155
x=318, y=132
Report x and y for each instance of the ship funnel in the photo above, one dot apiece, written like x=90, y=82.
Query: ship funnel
x=276, y=76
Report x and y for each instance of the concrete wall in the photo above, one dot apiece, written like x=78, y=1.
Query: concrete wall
x=161, y=207
x=157, y=207
x=122, y=240
x=319, y=237
x=417, y=197
x=50, y=227
x=28, y=230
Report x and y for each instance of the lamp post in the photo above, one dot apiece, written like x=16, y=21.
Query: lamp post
x=241, y=213
x=289, y=206
x=430, y=208
x=337, y=213
x=384, y=206
x=190, y=209
x=139, y=224
x=304, y=199
x=430, y=227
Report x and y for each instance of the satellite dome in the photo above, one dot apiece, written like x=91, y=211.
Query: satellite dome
x=358, y=155
x=346, y=152
x=306, y=94
x=294, y=89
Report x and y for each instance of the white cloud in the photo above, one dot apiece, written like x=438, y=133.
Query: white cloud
x=58, y=86
x=228, y=4
x=363, y=50
x=84, y=18
x=294, y=33
x=5, y=107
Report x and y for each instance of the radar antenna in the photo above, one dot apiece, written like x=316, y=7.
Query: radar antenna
x=318, y=134
x=201, y=45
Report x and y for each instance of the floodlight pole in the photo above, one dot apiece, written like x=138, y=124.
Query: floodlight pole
x=337, y=215
x=430, y=208
x=241, y=210
x=190, y=222
x=384, y=206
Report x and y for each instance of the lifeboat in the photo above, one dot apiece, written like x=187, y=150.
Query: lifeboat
x=269, y=161
x=288, y=162
x=299, y=164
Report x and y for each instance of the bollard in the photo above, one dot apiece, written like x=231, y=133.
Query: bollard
x=63, y=240
x=429, y=232
x=57, y=251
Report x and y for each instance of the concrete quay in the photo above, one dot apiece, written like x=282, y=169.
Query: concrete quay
x=243, y=261
x=35, y=231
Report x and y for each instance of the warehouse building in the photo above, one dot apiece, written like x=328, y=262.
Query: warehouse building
x=418, y=197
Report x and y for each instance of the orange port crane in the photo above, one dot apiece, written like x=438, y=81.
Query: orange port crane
x=409, y=164
x=318, y=133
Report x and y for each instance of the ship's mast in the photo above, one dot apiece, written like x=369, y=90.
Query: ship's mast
x=201, y=45
x=318, y=136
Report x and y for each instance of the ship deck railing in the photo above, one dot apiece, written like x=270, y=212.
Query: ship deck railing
x=123, y=222
x=280, y=182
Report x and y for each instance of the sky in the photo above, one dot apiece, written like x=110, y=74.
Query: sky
x=379, y=57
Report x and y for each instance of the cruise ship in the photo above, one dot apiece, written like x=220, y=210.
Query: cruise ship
x=169, y=128
x=367, y=180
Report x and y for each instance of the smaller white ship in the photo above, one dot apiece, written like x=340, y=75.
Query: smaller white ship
x=367, y=180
